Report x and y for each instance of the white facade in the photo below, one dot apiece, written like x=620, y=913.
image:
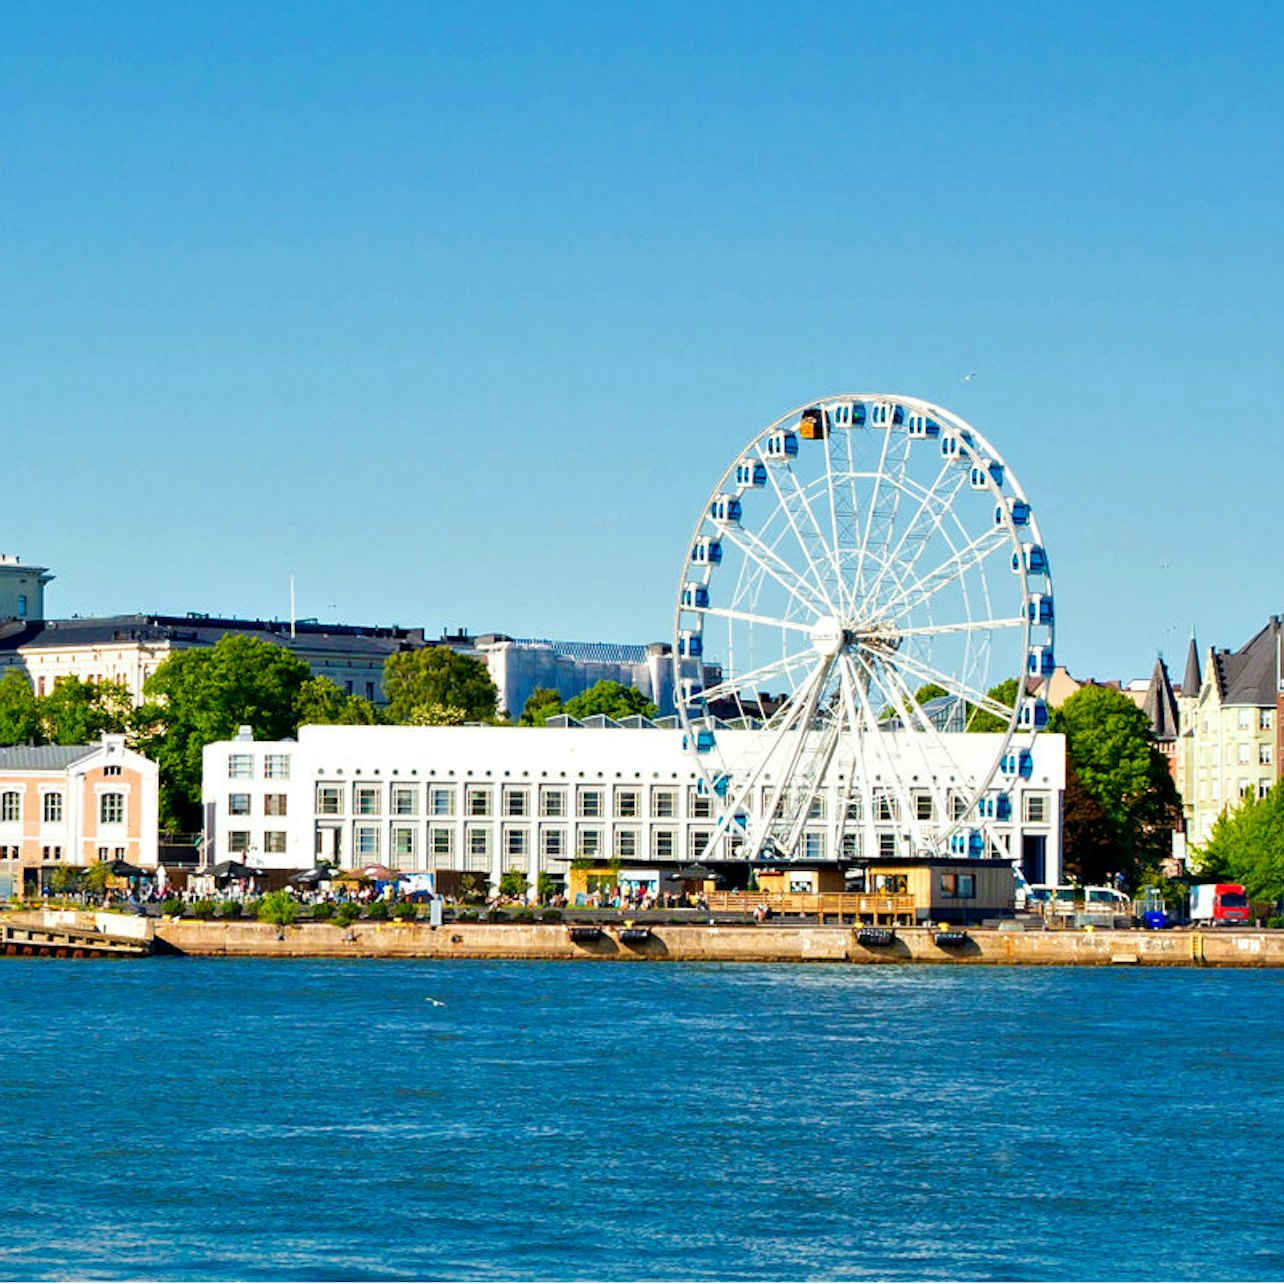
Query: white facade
x=491, y=799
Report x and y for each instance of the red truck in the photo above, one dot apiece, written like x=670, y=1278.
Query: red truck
x=1217, y=903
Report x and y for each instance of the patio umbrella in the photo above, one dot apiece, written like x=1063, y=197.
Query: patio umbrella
x=310, y=877
x=696, y=873
x=123, y=869
x=380, y=873
x=231, y=869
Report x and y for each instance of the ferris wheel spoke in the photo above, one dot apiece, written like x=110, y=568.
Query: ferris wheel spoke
x=873, y=506
x=876, y=737
x=771, y=564
x=963, y=626
x=748, y=617
x=938, y=512
x=950, y=571
x=817, y=579
x=951, y=684
x=812, y=782
x=774, y=669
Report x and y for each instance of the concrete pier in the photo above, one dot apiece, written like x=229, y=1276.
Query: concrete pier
x=767, y=943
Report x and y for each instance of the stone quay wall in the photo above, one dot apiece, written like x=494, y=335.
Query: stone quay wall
x=766, y=943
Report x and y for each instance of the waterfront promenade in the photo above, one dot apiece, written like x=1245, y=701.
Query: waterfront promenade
x=725, y=943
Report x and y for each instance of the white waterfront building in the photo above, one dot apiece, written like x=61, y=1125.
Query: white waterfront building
x=495, y=798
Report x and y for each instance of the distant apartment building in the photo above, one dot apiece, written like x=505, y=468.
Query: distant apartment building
x=72, y=805
x=129, y=648
x=1230, y=740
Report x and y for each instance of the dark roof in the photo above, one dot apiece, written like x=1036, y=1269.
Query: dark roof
x=201, y=630
x=1160, y=704
x=42, y=757
x=1191, y=680
x=1251, y=675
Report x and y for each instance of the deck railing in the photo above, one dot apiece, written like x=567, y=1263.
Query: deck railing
x=857, y=906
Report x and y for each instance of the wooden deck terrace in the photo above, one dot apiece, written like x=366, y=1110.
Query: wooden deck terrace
x=68, y=942
x=859, y=907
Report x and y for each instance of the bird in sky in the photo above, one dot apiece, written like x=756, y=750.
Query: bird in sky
x=967, y=378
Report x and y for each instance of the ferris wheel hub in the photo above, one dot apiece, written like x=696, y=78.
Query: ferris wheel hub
x=828, y=636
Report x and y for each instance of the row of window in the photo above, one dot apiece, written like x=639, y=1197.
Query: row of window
x=276, y=766
x=1246, y=718
x=111, y=808
x=1212, y=790
x=239, y=805
x=1243, y=754
x=517, y=801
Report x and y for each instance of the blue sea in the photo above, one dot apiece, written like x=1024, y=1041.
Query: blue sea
x=297, y=1120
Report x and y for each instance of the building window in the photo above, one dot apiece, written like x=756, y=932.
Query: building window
x=958, y=806
x=329, y=800
x=553, y=843
x=698, y=841
x=590, y=803
x=1245, y=719
x=403, y=844
x=588, y=842
x=365, y=799
x=477, y=800
x=1243, y=755
x=274, y=804
x=664, y=804
x=552, y=803
x=238, y=804
x=405, y=800
x=626, y=843
x=240, y=766
x=626, y=803
x=441, y=842
x=276, y=766
x=51, y=808
x=891, y=884
x=441, y=801
x=113, y=770
x=370, y=691
x=517, y=801
x=699, y=806
x=366, y=841
x=1245, y=788
x=664, y=844
x=886, y=846
x=516, y=845
x=274, y=841
x=478, y=854
x=238, y=840
x=1263, y=755
x=923, y=809
x=1267, y=720
x=884, y=808
x=814, y=844
x=1036, y=809
x=51, y=853
x=816, y=808
x=961, y=887
x=849, y=845
x=111, y=809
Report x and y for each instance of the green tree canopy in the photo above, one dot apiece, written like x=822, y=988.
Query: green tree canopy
x=322, y=702
x=542, y=704
x=79, y=713
x=1111, y=749
x=612, y=699
x=929, y=691
x=1246, y=846
x=1006, y=693
x=199, y=696
x=437, y=682
x=19, y=711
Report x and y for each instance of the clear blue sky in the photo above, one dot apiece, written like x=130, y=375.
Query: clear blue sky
x=457, y=312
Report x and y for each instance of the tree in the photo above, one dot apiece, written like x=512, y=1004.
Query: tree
x=1087, y=837
x=542, y=704
x=434, y=679
x=1111, y=750
x=512, y=883
x=1006, y=693
x=199, y=696
x=1246, y=846
x=322, y=702
x=929, y=691
x=78, y=713
x=19, y=711
x=612, y=699
x=279, y=908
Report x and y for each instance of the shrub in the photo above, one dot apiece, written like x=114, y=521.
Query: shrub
x=552, y=916
x=229, y=909
x=201, y=909
x=403, y=910
x=466, y=916
x=1276, y=920
x=346, y=914
x=497, y=916
x=523, y=916
x=279, y=908
x=250, y=907
x=377, y=910
x=323, y=911
x=172, y=906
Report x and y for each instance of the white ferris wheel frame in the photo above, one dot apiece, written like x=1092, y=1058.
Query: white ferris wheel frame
x=852, y=624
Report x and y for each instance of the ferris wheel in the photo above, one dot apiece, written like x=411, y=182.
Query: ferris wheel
x=862, y=580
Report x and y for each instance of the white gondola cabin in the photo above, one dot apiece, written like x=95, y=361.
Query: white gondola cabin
x=781, y=445
x=725, y=510
x=707, y=551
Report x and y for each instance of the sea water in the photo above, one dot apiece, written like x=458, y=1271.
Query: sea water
x=289, y=1120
